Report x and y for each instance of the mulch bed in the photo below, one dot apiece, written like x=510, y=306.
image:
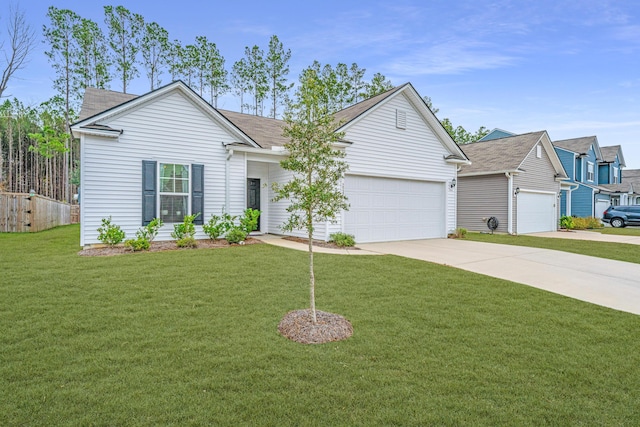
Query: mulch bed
x=318, y=243
x=298, y=326
x=164, y=246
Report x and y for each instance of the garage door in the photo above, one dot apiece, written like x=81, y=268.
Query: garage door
x=385, y=209
x=536, y=212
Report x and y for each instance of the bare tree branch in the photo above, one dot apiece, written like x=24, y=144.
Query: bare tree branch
x=22, y=40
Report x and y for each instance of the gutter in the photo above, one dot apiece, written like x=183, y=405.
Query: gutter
x=509, y=176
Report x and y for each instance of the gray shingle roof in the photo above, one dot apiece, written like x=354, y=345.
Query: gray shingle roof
x=577, y=145
x=498, y=155
x=264, y=131
x=354, y=111
x=98, y=100
x=630, y=173
x=609, y=153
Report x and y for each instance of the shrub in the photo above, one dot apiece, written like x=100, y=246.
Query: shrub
x=186, y=229
x=110, y=234
x=459, y=233
x=249, y=221
x=187, y=242
x=587, y=223
x=567, y=222
x=342, y=239
x=144, y=236
x=236, y=235
x=218, y=225
x=137, y=244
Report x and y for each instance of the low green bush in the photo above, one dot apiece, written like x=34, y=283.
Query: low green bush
x=186, y=229
x=587, y=223
x=343, y=240
x=566, y=222
x=218, y=225
x=236, y=235
x=249, y=220
x=144, y=236
x=110, y=234
x=187, y=242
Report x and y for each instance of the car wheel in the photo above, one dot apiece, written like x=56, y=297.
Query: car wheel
x=617, y=222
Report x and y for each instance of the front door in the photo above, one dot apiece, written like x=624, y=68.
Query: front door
x=253, y=195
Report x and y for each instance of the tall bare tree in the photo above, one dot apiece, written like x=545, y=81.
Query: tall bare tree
x=16, y=48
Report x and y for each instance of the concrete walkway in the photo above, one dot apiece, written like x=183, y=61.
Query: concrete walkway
x=609, y=283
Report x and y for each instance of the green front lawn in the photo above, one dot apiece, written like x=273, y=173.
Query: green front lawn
x=626, y=231
x=189, y=338
x=609, y=250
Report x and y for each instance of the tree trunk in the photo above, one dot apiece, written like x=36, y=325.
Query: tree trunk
x=312, y=279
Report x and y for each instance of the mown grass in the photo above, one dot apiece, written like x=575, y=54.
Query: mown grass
x=190, y=338
x=626, y=231
x=610, y=250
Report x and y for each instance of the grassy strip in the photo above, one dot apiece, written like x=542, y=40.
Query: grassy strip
x=189, y=338
x=609, y=250
x=626, y=231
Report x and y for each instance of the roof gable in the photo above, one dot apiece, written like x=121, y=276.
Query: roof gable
x=496, y=134
x=580, y=146
x=352, y=115
x=507, y=154
x=612, y=153
x=130, y=102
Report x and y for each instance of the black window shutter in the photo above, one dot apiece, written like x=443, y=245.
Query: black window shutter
x=149, y=192
x=197, y=193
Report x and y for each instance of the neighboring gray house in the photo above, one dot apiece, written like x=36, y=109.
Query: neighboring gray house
x=515, y=179
x=169, y=153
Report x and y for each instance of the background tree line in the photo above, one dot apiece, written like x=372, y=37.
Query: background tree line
x=36, y=149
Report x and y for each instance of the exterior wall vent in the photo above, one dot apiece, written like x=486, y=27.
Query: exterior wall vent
x=539, y=151
x=401, y=119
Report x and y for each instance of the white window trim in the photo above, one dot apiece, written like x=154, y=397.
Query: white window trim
x=615, y=175
x=162, y=193
x=590, y=175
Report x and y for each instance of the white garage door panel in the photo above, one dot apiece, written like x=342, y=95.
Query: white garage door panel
x=385, y=209
x=536, y=212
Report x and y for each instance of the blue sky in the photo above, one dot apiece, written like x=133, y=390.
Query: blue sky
x=569, y=67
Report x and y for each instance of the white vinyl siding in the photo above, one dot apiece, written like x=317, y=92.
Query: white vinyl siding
x=168, y=130
x=380, y=149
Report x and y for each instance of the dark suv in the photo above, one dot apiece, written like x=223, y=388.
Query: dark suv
x=621, y=216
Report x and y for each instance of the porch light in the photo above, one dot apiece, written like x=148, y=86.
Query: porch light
x=517, y=190
x=453, y=183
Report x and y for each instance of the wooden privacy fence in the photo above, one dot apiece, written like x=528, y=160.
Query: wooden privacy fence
x=20, y=212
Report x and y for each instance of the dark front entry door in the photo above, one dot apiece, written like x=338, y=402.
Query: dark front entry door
x=253, y=195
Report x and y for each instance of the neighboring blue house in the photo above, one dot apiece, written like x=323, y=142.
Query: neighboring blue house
x=611, y=178
x=581, y=196
x=496, y=134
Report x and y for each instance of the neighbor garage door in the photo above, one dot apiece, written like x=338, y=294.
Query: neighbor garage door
x=385, y=209
x=536, y=212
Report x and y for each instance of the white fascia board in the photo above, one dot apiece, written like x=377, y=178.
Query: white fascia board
x=113, y=134
x=513, y=172
x=264, y=151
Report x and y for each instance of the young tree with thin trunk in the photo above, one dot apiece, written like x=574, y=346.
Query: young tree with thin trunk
x=16, y=49
x=317, y=165
x=125, y=30
x=214, y=73
x=154, y=47
x=357, y=84
x=277, y=67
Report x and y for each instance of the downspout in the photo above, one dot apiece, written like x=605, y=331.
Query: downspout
x=227, y=185
x=509, y=202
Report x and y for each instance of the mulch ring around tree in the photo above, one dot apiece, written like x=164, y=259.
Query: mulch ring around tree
x=319, y=243
x=298, y=326
x=164, y=246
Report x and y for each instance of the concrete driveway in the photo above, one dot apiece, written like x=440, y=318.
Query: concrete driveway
x=609, y=283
